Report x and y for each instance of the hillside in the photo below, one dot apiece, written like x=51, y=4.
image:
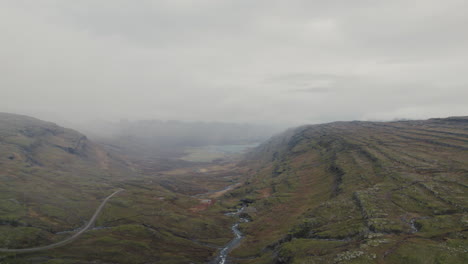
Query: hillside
x=40, y=163
x=52, y=181
x=30, y=142
x=358, y=192
x=343, y=192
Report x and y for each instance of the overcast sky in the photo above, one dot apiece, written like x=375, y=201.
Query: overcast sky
x=234, y=60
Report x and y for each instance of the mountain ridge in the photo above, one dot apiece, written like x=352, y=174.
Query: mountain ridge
x=344, y=186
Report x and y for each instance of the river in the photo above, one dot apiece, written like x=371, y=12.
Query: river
x=223, y=254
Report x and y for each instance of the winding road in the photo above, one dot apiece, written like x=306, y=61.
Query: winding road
x=68, y=240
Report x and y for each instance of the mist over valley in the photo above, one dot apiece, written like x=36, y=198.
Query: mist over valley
x=233, y=132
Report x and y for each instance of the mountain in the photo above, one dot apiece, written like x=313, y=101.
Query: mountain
x=52, y=179
x=343, y=192
x=358, y=192
x=29, y=142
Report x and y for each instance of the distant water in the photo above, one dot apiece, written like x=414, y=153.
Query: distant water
x=231, y=149
x=212, y=152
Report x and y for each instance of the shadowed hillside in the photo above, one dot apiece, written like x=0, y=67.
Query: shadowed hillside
x=359, y=192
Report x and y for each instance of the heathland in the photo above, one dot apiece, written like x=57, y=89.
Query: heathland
x=343, y=192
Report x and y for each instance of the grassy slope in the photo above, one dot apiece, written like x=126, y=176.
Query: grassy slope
x=52, y=179
x=359, y=192
x=354, y=192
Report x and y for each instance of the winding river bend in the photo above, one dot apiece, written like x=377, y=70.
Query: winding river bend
x=223, y=254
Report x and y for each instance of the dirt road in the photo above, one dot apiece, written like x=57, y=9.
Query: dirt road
x=68, y=240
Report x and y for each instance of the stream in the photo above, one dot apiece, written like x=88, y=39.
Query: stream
x=223, y=254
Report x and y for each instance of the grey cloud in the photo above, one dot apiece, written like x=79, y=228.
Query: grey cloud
x=303, y=77
x=292, y=62
x=310, y=90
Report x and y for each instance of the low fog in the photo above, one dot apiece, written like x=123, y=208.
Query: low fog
x=156, y=137
x=236, y=61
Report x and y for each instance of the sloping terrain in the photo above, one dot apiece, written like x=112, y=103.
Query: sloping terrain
x=344, y=192
x=358, y=192
x=53, y=179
